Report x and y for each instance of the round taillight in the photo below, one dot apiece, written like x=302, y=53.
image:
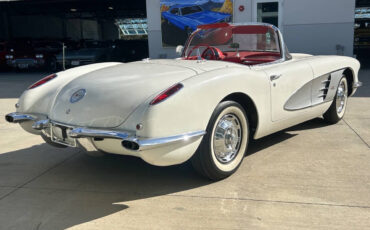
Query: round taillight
x=43, y=81
x=166, y=94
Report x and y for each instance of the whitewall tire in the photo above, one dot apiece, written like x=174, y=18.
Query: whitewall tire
x=338, y=107
x=225, y=143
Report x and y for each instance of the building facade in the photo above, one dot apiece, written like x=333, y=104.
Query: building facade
x=308, y=26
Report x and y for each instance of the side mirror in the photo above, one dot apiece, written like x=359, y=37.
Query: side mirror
x=179, y=50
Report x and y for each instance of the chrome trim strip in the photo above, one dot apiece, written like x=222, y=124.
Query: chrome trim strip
x=18, y=117
x=357, y=84
x=83, y=132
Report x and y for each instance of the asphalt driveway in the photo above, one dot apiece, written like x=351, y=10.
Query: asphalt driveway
x=311, y=176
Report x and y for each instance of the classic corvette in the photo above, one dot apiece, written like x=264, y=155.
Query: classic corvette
x=233, y=82
x=188, y=17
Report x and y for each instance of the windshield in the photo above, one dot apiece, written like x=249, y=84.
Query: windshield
x=231, y=39
x=190, y=10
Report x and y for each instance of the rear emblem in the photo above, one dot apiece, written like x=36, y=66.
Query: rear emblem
x=78, y=95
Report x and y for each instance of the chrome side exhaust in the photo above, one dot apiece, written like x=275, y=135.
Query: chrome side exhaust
x=18, y=117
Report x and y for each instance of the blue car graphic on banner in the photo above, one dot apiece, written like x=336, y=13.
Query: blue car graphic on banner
x=191, y=16
x=180, y=18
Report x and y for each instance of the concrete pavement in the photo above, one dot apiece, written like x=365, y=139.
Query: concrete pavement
x=311, y=176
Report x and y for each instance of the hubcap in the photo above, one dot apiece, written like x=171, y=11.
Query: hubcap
x=341, y=97
x=227, y=138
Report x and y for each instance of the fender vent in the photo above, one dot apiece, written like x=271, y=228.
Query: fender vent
x=325, y=87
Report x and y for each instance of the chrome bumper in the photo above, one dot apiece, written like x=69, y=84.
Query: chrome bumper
x=139, y=144
x=136, y=143
x=357, y=84
x=129, y=140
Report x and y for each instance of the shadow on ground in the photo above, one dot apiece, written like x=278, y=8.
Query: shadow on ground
x=80, y=188
x=14, y=83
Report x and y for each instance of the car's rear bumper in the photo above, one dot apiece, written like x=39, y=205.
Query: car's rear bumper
x=160, y=151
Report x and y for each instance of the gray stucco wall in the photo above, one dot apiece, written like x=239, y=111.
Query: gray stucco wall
x=319, y=26
x=320, y=38
x=308, y=26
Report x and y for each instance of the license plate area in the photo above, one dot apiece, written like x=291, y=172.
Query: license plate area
x=59, y=134
x=75, y=62
x=23, y=66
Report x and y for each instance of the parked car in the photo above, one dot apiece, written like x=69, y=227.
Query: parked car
x=3, y=53
x=86, y=52
x=188, y=17
x=23, y=54
x=233, y=82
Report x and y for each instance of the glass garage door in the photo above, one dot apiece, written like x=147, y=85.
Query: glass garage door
x=268, y=11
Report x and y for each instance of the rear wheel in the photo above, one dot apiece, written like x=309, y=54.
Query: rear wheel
x=338, y=107
x=224, y=145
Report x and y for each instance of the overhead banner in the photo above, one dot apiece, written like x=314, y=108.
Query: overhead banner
x=179, y=18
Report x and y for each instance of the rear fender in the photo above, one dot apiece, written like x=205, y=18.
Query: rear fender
x=191, y=108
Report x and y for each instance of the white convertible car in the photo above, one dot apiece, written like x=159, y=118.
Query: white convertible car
x=233, y=82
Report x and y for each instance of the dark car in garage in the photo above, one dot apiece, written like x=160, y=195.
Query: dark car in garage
x=23, y=54
x=3, y=53
x=86, y=52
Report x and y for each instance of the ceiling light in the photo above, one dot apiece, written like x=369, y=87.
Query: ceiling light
x=73, y=10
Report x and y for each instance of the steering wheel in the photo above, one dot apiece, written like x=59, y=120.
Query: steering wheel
x=197, y=46
x=212, y=53
x=209, y=53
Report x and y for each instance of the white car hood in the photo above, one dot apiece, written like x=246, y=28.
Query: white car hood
x=113, y=93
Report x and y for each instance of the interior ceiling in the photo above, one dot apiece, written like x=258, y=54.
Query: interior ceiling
x=77, y=8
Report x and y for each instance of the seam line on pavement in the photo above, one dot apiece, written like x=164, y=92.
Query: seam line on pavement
x=202, y=197
x=39, y=175
x=276, y=201
x=357, y=134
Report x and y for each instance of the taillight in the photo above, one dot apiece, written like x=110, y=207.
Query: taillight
x=43, y=81
x=166, y=94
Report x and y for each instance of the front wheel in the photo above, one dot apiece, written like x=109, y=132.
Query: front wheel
x=224, y=145
x=338, y=107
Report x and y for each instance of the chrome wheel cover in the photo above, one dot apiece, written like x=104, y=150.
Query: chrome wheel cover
x=341, y=97
x=227, y=138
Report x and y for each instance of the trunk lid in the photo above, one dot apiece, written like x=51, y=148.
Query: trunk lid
x=113, y=93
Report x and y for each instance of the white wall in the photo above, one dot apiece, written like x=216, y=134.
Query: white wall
x=309, y=26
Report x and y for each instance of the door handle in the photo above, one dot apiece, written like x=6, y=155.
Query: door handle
x=275, y=77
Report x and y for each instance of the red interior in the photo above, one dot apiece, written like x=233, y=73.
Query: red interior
x=250, y=57
x=245, y=57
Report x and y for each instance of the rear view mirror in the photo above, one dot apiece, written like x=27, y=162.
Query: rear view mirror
x=234, y=45
x=179, y=50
